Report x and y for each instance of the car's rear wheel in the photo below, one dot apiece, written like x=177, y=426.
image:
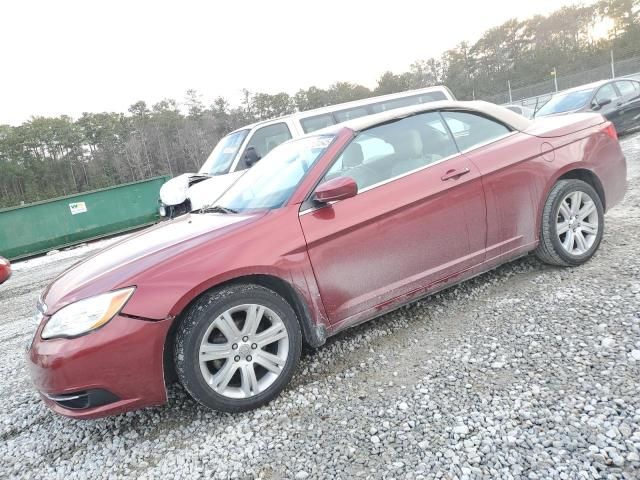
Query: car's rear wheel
x=237, y=347
x=572, y=224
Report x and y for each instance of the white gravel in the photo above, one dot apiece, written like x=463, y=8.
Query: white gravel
x=525, y=372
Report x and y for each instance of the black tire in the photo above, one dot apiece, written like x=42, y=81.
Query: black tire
x=550, y=249
x=194, y=325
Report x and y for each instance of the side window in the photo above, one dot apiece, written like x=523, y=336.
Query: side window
x=392, y=150
x=311, y=124
x=262, y=141
x=407, y=101
x=470, y=129
x=606, y=92
x=350, y=114
x=625, y=87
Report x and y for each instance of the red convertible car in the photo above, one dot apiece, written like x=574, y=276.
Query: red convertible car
x=326, y=232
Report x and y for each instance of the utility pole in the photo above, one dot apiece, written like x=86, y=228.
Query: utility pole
x=555, y=78
x=510, y=97
x=613, y=68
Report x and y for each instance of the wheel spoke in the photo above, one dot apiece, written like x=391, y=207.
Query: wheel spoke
x=586, y=210
x=564, y=210
x=562, y=227
x=272, y=334
x=269, y=361
x=589, y=228
x=254, y=316
x=568, y=241
x=212, y=351
x=576, y=198
x=222, y=378
x=249, y=382
x=580, y=241
x=228, y=327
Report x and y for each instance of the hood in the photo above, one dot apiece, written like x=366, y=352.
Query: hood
x=208, y=191
x=116, y=265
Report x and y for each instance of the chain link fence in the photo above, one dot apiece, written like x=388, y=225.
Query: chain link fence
x=536, y=95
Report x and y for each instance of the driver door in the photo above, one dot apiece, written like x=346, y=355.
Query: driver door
x=414, y=222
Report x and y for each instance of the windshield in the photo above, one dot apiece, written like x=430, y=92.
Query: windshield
x=565, y=102
x=271, y=182
x=219, y=162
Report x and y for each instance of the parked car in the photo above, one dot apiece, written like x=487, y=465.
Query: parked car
x=618, y=100
x=241, y=149
x=5, y=269
x=524, y=111
x=326, y=232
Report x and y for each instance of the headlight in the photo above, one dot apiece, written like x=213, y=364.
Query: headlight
x=86, y=315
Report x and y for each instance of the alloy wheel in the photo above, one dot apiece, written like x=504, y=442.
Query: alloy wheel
x=243, y=351
x=577, y=223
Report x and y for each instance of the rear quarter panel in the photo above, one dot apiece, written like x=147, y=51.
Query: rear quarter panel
x=592, y=150
x=520, y=170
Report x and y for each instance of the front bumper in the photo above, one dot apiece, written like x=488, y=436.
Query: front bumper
x=172, y=211
x=124, y=359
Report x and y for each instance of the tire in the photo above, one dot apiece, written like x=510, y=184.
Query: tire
x=583, y=233
x=214, y=361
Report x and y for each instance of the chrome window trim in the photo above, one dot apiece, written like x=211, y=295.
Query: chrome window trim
x=411, y=172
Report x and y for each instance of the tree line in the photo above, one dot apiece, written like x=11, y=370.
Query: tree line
x=47, y=157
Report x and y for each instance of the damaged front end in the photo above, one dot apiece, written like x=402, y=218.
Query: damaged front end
x=174, y=194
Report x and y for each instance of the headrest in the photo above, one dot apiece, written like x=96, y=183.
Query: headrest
x=408, y=143
x=352, y=156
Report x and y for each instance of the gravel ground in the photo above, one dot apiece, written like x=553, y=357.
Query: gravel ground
x=525, y=372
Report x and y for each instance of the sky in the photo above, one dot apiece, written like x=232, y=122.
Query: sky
x=68, y=57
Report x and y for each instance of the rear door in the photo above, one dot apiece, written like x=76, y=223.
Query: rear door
x=509, y=180
x=628, y=104
x=610, y=110
x=418, y=218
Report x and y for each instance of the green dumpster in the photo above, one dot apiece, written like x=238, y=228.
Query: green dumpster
x=38, y=227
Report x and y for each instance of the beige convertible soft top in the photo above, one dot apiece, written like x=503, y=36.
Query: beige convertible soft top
x=503, y=115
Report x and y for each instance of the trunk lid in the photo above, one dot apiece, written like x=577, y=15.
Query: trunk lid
x=561, y=125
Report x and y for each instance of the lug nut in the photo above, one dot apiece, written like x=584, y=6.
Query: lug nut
x=248, y=358
x=234, y=346
x=244, y=339
x=254, y=345
x=237, y=358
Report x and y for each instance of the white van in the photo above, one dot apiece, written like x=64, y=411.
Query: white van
x=240, y=149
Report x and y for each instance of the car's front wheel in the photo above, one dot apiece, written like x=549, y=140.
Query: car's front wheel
x=572, y=224
x=237, y=347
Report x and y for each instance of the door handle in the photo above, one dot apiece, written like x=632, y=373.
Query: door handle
x=454, y=174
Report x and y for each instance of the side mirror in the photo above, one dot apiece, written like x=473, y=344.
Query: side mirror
x=336, y=189
x=600, y=103
x=251, y=157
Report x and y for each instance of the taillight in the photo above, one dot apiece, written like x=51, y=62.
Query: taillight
x=610, y=130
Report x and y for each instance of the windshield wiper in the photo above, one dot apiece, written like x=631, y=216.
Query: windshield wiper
x=217, y=209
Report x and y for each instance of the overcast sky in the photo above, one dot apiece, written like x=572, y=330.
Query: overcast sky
x=67, y=57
